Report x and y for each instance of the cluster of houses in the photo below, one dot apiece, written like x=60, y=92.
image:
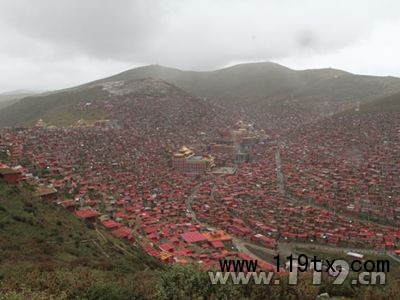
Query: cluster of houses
x=236, y=144
x=123, y=183
x=184, y=160
x=350, y=166
x=232, y=147
x=247, y=204
x=9, y=175
x=279, y=120
x=130, y=179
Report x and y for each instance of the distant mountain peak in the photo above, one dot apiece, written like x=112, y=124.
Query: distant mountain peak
x=236, y=87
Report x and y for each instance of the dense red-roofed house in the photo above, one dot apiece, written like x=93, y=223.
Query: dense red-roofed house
x=91, y=202
x=149, y=229
x=174, y=240
x=265, y=241
x=111, y=224
x=167, y=247
x=10, y=176
x=87, y=214
x=153, y=252
x=218, y=236
x=68, y=204
x=46, y=193
x=191, y=237
x=123, y=232
x=153, y=236
x=264, y=266
x=389, y=245
x=121, y=215
x=120, y=202
x=165, y=233
x=217, y=244
x=182, y=252
x=244, y=256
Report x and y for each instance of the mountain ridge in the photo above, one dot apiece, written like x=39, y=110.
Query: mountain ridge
x=264, y=81
x=252, y=84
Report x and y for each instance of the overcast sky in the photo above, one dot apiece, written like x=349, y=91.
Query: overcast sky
x=51, y=44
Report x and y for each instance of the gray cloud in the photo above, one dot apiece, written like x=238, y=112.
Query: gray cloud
x=48, y=44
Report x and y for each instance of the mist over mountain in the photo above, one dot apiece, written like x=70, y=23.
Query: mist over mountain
x=269, y=82
x=11, y=97
x=255, y=88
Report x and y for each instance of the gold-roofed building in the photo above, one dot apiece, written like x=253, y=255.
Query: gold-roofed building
x=81, y=123
x=184, y=160
x=40, y=123
x=166, y=257
x=183, y=152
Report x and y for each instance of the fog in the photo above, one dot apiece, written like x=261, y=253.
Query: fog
x=49, y=44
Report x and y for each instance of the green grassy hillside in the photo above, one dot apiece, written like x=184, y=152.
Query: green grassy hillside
x=57, y=108
x=270, y=82
x=7, y=99
x=46, y=251
x=386, y=104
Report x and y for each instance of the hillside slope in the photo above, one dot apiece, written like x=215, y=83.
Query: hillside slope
x=270, y=82
x=7, y=99
x=385, y=104
x=142, y=104
x=54, y=108
x=46, y=251
x=254, y=90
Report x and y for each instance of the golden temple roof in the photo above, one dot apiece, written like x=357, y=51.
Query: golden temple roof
x=183, y=152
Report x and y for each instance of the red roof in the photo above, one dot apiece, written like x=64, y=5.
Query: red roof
x=68, y=203
x=121, y=215
x=122, y=232
x=193, y=237
x=86, y=213
x=266, y=239
x=217, y=244
x=149, y=229
x=245, y=256
x=152, y=251
x=167, y=247
x=111, y=224
x=265, y=266
x=182, y=252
